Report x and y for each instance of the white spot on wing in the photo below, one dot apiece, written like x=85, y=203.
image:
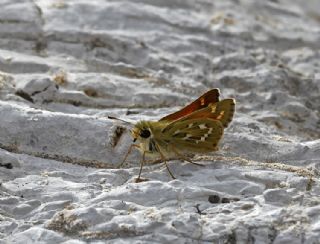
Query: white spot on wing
x=203, y=138
x=190, y=125
x=203, y=126
x=187, y=136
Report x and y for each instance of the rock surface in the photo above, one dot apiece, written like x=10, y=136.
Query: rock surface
x=66, y=65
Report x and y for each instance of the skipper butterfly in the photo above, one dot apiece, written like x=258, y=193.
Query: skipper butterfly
x=196, y=128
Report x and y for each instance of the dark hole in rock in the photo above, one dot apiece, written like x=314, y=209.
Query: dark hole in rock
x=90, y=92
x=76, y=103
x=24, y=95
x=132, y=112
x=7, y=165
x=214, y=199
x=225, y=200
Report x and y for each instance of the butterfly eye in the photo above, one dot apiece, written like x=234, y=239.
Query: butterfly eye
x=145, y=133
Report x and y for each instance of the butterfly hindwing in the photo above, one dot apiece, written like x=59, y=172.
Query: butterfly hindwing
x=203, y=101
x=195, y=135
x=224, y=111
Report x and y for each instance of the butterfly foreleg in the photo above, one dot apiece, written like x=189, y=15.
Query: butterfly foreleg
x=127, y=154
x=165, y=161
x=181, y=156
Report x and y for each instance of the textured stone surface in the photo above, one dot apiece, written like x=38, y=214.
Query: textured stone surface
x=66, y=65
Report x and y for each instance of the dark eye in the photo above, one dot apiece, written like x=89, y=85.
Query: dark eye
x=145, y=133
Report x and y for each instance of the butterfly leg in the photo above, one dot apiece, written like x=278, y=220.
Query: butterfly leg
x=143, y=159
x=127, y=154
x=165, y=162
x=172, y=176
x=174, y=149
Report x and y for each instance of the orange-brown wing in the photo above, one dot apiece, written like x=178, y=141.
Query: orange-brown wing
x=222, y=111
x=211, y=96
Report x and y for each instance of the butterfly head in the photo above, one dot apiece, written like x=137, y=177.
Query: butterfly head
x=141, y=132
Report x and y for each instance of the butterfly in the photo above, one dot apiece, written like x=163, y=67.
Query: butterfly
x=196, y=128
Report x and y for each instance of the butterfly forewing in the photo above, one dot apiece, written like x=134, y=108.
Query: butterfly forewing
x=195, y=135
x=222, y=111
x=211, y=96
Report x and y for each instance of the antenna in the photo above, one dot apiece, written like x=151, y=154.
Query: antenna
x=114, y=118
